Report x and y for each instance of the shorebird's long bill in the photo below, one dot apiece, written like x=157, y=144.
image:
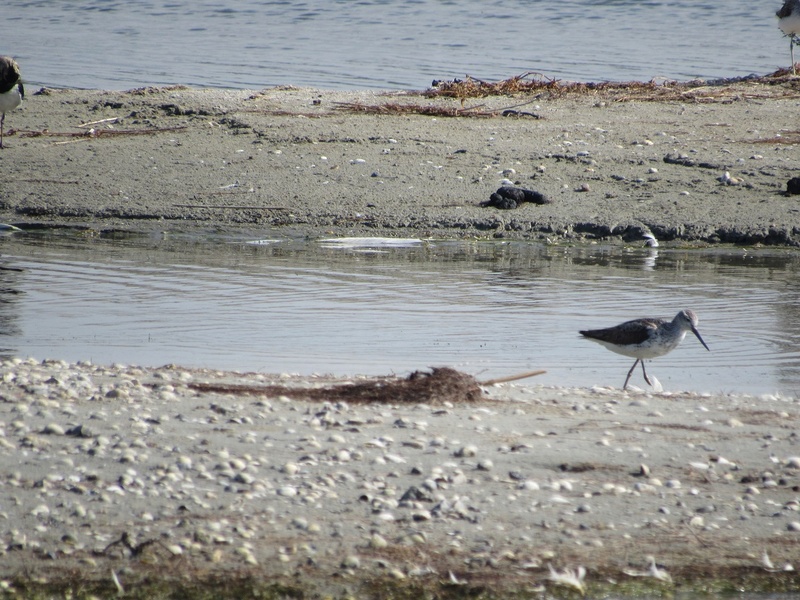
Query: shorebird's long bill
x=697, y=333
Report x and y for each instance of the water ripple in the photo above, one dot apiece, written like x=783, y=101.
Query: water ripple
x=490, y=309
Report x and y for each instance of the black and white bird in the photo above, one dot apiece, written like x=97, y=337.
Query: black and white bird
x=646, y=338
x=11, y=90
x=789, y=22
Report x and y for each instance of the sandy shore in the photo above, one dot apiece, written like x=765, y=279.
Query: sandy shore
x=308, y=163
x=171, y=477
x=119, y=477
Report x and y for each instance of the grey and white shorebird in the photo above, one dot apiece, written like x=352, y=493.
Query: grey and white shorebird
x=11, y=90
x=789, y=22
x=646, y=338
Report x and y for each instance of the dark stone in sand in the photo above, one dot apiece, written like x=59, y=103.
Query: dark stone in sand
x=685, y=161
x=793, y=186
x=508, y=197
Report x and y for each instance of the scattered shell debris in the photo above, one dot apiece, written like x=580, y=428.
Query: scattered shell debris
x=133, y=471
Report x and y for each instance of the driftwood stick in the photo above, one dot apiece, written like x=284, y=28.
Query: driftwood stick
x=109, y=120
x=513, y=377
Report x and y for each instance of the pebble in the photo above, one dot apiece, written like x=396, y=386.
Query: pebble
x=377, y=541
x=467, y=451
x=351, y=562
x=53, y=429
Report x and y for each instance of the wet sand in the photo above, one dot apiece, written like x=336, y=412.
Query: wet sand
x=308, y=163
x=124, y=477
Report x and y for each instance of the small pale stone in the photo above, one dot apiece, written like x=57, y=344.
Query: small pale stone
x=467, y=451
x=793, y=462
x=351, y=562
x=697, y=521
x=378, y=541
x=53, y=429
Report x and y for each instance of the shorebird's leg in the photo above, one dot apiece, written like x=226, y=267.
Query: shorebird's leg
x=646, y=378
x=2, y=120
x=627, y=379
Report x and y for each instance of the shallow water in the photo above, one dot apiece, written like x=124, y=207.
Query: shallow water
x=386, y=44
x=490, y=309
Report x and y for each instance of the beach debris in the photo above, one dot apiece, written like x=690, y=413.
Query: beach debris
x=99, y=133
x=652, y=571
x=508, y=197
x=396, y=108
x=440, y=385
x=117, y=584
x=513, y=377
x=727, y=179
x=684, y=161
x=655, y=90
x=766, y=562
x=455, y=580
x=569, y=578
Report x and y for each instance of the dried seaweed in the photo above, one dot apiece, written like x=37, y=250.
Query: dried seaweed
x=778, y=84
x=440, y=385
x=395, y=108
x=786, y=138
x=652, y=91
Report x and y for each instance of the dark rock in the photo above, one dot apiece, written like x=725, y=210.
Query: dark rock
x=793, y=186
x=685, y=161
x=508, y=197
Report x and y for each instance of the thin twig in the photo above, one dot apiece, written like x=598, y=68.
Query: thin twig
x=109, y=120
x=96, y=133
x=222, y=206
x=513, y=377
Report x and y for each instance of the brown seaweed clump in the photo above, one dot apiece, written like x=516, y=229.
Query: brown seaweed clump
x=442, y=384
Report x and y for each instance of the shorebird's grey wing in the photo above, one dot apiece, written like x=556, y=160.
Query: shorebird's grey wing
x=786, y=9
x=9, y=74
x=629, y=333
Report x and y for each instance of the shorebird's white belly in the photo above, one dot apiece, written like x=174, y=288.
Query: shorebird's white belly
x=649, y=349
x=791, y=24
x=10, y=100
